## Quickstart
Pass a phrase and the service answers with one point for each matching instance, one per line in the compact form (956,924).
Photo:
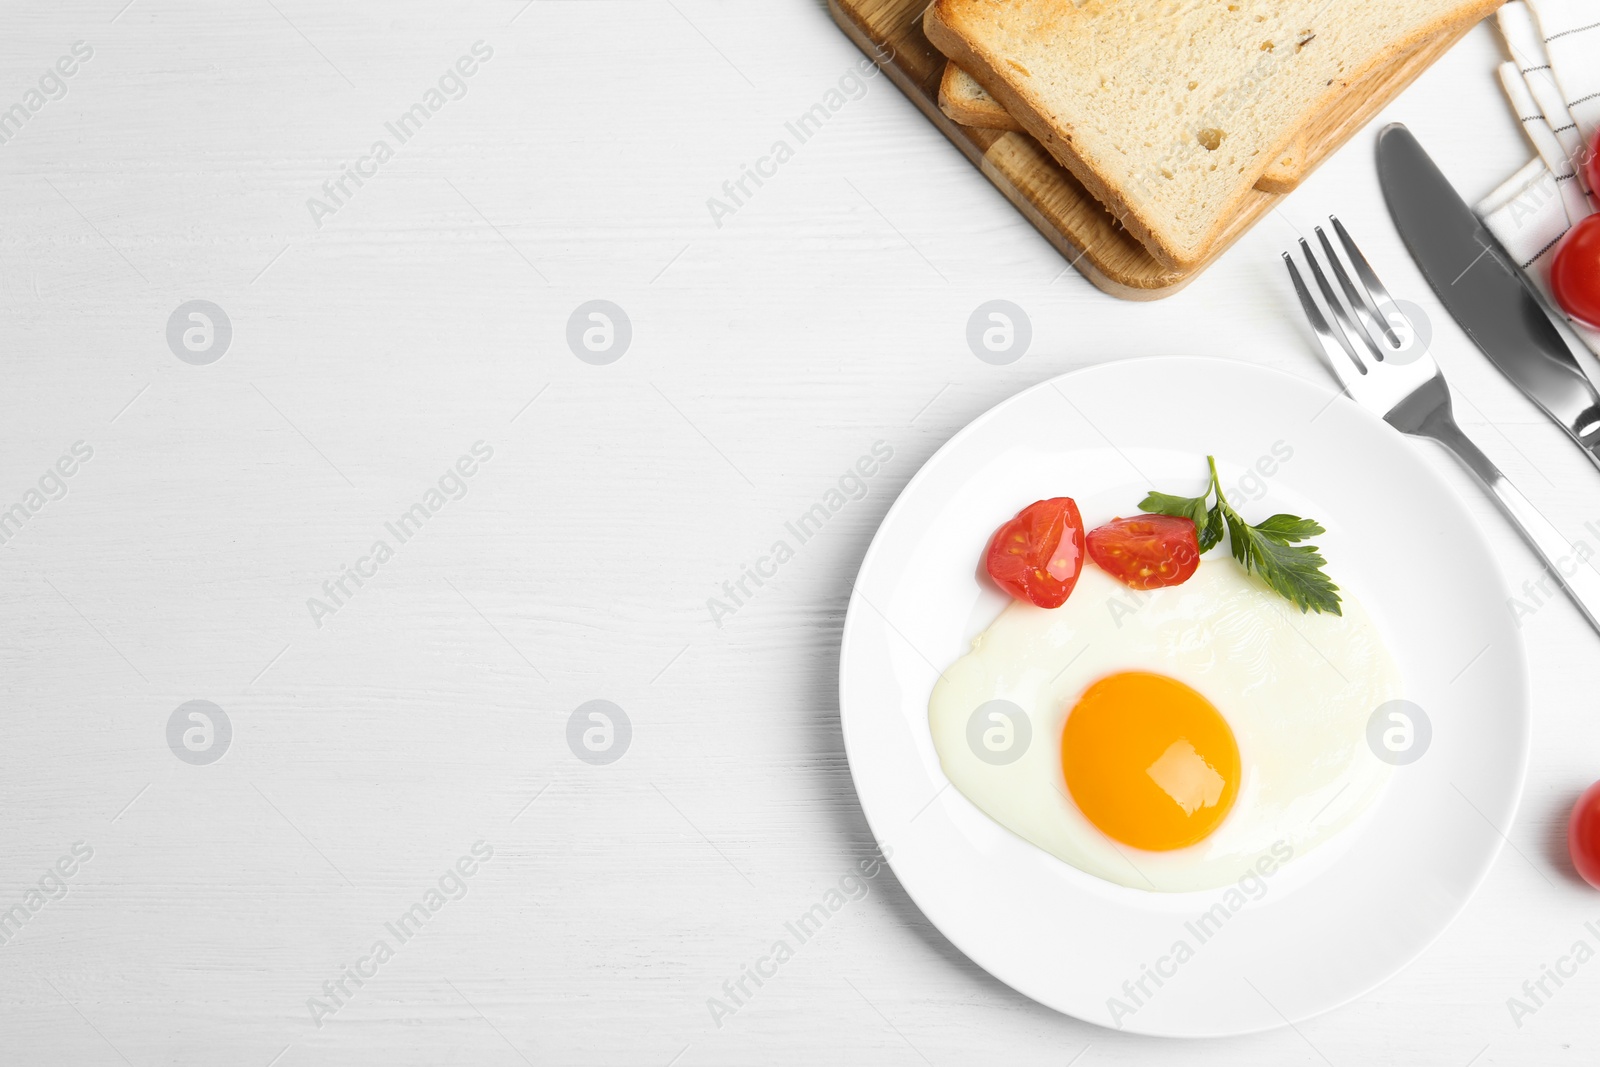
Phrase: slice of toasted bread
(967,102)
(1170,111)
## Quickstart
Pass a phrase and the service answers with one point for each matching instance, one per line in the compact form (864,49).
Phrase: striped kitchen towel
(1553,84)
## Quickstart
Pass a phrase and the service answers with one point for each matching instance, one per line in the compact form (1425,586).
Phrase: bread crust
(962,107)
(943,24)
(1285,172)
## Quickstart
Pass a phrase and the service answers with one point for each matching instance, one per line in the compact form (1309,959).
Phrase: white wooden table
(377,740)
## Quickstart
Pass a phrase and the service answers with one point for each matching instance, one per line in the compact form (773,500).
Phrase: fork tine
(1343,366)
(1354,344)
(1378,294)
(1376,336)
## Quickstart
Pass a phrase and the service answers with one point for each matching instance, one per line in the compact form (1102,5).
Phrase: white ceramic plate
(1328,926)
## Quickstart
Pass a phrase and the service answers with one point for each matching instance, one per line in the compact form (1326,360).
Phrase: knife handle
(1570,567)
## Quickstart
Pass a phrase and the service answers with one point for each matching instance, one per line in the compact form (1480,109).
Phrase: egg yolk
(1149,761)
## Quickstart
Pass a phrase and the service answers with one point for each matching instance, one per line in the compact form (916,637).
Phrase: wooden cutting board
(890,31)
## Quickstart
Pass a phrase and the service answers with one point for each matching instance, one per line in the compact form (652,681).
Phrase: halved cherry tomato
(1575,272)
(1037,555)
(1583,835)
(1147,551)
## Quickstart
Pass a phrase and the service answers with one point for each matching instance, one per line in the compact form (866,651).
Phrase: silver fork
(1408,391)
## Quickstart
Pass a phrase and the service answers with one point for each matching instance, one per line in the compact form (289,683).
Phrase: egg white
(1297,691)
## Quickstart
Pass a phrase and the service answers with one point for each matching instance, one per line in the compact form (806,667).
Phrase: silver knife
(1484,289)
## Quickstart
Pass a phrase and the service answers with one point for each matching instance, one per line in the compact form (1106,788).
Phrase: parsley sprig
(1270,549)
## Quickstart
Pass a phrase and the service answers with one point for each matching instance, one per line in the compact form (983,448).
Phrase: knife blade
(1484,289)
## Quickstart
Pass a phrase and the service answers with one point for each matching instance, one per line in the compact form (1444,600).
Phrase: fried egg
(1167,740)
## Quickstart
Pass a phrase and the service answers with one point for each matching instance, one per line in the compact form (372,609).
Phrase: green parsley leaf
(1293,571)
(1238,537)
(1192,508)
(1286,529)
(1207,522)
(1211,532)
(1271,549)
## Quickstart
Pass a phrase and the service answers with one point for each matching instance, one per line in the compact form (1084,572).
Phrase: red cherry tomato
(1575,272)
(1037,555)
(1146,551)
(1583,835)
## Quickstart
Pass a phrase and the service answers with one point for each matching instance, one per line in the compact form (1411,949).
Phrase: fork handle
(1568,564)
